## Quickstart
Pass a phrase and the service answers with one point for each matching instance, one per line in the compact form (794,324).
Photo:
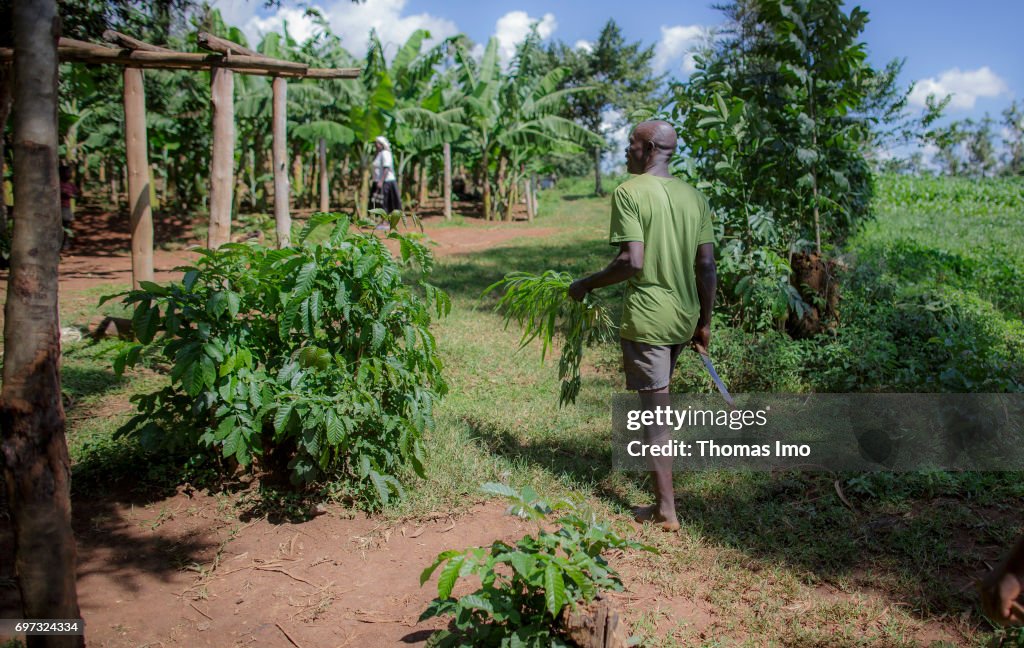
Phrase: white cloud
(584,45)
(300,26)
(965,87)
(674,52)
(353,22)
(512,29)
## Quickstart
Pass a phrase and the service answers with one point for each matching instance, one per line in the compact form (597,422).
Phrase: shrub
(524,587)
(317,356)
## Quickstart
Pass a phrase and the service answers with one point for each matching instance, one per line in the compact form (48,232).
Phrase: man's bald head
(651,145)
(658,132)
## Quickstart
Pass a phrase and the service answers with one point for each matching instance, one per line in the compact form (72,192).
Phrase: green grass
(773,558)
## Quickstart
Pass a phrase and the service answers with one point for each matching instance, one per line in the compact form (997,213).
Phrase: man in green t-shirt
(662,226)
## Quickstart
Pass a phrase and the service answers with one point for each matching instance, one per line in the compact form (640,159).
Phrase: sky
(972,50)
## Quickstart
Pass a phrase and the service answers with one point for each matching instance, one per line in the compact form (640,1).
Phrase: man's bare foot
(651,514)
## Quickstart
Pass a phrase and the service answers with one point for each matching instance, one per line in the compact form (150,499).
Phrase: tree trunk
(222,163)
(485,163)
(598,189)
(528,186)
(422,198)
(138,176)
(503,191)
(282,217)
(325,191)
(447,181)
(533,194)
(297,181)
(5,110)
(363,198)
(37,470)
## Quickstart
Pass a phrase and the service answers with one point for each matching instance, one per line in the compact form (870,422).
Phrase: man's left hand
(577,290)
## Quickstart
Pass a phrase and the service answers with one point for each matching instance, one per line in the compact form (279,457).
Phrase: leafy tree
(618,76)
(778,122)
(1013,140)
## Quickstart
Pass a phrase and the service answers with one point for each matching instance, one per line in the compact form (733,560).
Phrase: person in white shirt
(385,187)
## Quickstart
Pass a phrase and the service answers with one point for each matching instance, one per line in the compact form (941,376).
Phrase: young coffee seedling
(525,586)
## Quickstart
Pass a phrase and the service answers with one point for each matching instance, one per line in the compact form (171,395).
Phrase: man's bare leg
(663,512)
(1001,589)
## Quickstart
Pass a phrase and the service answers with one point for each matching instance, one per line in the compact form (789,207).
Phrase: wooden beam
(333,73)
(145,55)
(222,163)
(206,40)
(138,176)
(127,42)
(282,218)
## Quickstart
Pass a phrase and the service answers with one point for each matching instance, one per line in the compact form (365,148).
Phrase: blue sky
(974,49)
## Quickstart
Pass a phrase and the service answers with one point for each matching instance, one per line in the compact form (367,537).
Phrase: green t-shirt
(672,219)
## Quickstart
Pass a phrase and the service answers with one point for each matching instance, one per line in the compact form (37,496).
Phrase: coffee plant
(317,358)
(525,586)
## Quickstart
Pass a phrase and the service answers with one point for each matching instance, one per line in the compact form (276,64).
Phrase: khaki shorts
(649,366)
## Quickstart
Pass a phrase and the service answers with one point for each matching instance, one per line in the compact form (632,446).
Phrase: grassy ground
(769,558)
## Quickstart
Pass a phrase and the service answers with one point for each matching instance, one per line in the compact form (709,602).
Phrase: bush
(317,357)
(525,587)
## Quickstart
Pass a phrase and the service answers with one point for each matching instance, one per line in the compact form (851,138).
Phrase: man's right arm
(707,285)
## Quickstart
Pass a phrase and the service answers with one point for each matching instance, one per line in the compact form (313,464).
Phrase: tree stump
(597,625)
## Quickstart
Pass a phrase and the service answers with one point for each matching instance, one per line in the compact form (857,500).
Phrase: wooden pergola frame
(226,59)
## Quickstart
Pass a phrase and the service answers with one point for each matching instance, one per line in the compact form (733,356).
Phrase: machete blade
(718,381)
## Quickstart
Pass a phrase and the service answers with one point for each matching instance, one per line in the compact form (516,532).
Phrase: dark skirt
(388,199)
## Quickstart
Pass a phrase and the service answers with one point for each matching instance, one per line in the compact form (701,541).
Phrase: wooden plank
(206,40)
(138,176)
(127,42)
(333,73)
(222,164)
(282,218)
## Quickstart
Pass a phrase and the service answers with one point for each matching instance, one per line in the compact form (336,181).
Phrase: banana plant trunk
(325,191)
(503,192)
(485,163)
(598,189)
(37,470)
(447,181)
(422,199)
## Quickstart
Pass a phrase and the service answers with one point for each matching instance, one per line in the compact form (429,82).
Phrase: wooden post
(447,181)
(325,192)
(222,164)
(37,471)
(280,152)
(139,205)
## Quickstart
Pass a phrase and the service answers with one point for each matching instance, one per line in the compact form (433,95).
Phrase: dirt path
(100,253)
(183,572)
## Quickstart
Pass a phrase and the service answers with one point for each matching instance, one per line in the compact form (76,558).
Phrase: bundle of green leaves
(541,305)
(525,586)
(318,356)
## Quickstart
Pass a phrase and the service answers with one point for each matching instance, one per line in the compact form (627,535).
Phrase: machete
(718,381)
